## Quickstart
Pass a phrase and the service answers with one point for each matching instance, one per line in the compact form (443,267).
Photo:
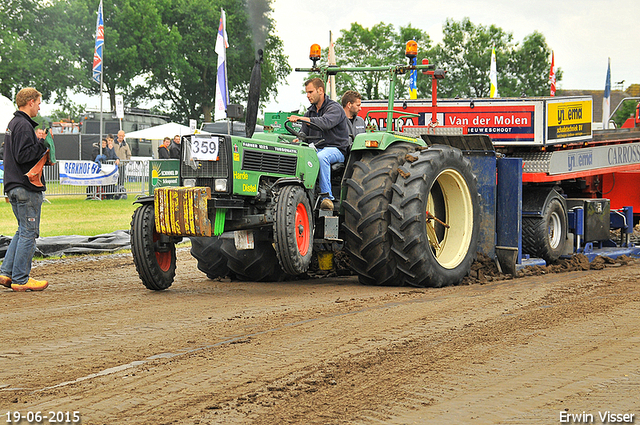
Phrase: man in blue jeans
(23,153)
(330,117)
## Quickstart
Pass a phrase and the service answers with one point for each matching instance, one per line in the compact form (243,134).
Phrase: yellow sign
(569,119)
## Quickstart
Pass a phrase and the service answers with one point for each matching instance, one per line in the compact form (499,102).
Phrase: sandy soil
(320,351)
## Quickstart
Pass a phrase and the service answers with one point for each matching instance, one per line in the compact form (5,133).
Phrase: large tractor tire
(208,252)
(544,237)
(366,213)
(256,265)
(293,230)
(155,263)
(436,182)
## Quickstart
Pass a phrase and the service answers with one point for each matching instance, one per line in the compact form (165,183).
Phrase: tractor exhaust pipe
(254,96)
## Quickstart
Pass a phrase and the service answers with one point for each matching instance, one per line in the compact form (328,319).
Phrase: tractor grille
(269,162)
(209,170)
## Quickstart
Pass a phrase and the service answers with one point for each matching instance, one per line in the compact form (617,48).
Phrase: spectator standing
(174,149)
(331,118)
(40,134)
(352,104)
(110,153)
(163,149)
(121,147)
(23,154)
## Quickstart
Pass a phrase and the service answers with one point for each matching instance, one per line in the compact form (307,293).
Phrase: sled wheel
(155,262)
(545,237)
(209,255)
(257,265)
(368,193)
(293,230)
(435,218)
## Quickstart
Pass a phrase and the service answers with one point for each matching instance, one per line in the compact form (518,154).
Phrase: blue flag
(97,53)
(606,100)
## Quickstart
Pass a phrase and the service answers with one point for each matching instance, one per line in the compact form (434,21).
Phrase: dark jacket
(21,152)
(333,121)
(356,126)
(174,150)
(163,152)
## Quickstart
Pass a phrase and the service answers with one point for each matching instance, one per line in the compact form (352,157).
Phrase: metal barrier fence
(133,180)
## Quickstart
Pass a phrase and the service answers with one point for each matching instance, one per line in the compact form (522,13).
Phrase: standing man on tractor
(352,104)
(328,115)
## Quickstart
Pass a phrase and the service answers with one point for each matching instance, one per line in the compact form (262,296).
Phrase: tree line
(163,52)
(465,54)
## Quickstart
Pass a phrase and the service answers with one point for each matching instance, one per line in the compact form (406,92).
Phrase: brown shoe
(31,285)
(326,205)
(5,281)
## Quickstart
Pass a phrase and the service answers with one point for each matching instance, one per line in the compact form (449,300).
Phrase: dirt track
(321,351)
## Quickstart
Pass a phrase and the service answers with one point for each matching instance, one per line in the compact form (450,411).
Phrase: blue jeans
(328,156)
(26,207)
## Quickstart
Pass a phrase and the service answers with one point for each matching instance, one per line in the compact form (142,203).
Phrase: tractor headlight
(220,185)
(190,182)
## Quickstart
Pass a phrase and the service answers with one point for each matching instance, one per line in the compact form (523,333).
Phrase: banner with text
(87,173)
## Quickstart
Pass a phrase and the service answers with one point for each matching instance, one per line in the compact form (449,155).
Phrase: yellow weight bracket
(182,211)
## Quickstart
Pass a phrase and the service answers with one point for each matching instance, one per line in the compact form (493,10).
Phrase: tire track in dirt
(317,351)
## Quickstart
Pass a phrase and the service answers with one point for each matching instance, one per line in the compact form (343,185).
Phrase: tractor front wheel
(293,230)
(155,261)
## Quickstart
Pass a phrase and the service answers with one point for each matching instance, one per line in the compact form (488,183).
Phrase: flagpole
(100,139)
(226,78)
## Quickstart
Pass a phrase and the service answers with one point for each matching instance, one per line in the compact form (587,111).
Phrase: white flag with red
(552,76)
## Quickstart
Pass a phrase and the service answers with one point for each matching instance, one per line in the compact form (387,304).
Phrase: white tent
(159,132)
(7,108)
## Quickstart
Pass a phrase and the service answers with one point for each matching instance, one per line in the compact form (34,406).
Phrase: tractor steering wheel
(299,134)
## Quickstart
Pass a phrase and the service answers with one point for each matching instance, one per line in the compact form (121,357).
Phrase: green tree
(37,48)
(465,53)
(626,110)
(184,73)
(380,45)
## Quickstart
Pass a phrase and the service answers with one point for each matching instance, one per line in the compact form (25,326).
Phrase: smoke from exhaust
(258,11)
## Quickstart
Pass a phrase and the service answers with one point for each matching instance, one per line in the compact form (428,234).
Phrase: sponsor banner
(501,122)
(594,158)
(163,172)
(568,119)
(87,173)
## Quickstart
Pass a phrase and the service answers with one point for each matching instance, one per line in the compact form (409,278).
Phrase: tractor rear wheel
(435,218)
(293,230)
(366,213)
(154,261)
(256,265)
(208,252)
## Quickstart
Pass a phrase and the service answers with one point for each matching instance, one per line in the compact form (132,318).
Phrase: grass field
(73,215)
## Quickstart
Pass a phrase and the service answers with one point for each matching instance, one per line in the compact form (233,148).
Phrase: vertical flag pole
(222,89)
(606,99)
(98,62)
(333,95)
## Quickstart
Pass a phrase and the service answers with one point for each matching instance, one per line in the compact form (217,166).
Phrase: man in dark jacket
(23,152)
(330,117)
(174,149)
(352,104)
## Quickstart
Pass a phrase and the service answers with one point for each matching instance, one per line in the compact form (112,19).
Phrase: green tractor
(406,209)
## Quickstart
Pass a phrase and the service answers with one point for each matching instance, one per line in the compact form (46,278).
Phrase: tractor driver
(331,118)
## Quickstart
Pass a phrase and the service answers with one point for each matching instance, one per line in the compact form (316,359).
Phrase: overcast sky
(582,33)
